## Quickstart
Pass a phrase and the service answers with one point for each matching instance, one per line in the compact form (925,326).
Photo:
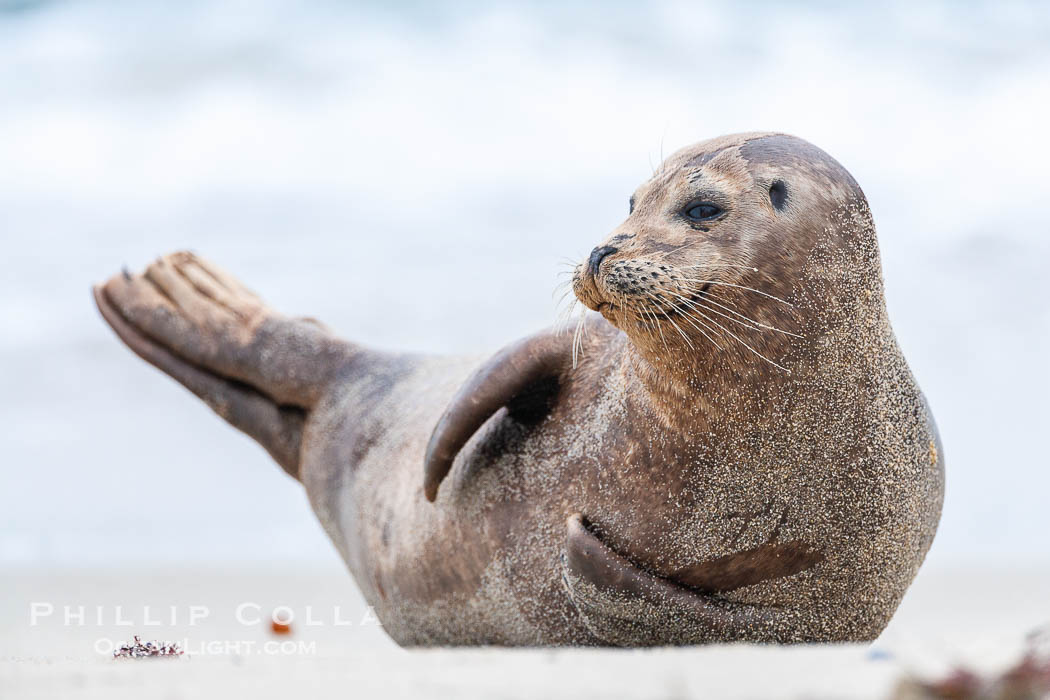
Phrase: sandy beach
(952,616)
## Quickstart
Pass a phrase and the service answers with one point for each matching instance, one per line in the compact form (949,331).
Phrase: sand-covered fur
(735,449)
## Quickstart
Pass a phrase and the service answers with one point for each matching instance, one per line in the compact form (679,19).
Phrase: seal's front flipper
(522,376)
(624,605)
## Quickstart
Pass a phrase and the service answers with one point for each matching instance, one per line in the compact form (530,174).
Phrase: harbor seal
(732,449)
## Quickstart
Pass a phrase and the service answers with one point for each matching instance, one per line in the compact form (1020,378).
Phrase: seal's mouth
(637,289)
(586,288)
(591,292)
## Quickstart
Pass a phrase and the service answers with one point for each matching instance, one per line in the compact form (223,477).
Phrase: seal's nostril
(597,255)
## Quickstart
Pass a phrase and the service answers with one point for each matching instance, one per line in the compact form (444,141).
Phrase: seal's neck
(697,394)
(690,388)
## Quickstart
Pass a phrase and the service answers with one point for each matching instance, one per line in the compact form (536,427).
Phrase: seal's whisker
(653,324)
(577,338)
(563,316)
(660,330)
(739,286)
(624,310)
(685,317)
(671,321)
(561,325)
(574,309)
(680,332)
(737,338)
(694,304)
(656,324)
(564,294)
(652,327)
(706,299)
(719,295)
(706,325)
(650,333)
(562,322)
(718,265)
(663,255)
(703,302)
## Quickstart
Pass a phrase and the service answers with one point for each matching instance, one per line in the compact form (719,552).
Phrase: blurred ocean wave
(377,164)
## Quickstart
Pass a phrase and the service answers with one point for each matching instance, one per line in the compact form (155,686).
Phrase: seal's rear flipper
(522,376)
(255,368)
(277,428)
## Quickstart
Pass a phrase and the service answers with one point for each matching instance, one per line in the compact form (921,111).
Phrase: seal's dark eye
(702,211)
(778,195)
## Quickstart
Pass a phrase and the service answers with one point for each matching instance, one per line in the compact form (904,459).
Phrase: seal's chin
(589,291)
(586,289)
(608,310)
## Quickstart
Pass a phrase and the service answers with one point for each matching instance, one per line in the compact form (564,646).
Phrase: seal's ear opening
(778,195)
(525,377)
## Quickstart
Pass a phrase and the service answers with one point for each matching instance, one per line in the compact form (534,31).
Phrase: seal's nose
(597,255)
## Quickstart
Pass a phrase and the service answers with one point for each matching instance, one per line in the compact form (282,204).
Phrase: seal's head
(714,245)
